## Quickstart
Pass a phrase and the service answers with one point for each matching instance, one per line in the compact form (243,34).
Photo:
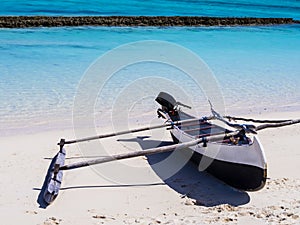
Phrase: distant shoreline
(133,21)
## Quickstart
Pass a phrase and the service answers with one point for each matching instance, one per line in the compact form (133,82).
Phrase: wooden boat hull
(238,161)
(242,176)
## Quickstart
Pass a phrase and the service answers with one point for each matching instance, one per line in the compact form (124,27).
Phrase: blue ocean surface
(252,8)
(257,69)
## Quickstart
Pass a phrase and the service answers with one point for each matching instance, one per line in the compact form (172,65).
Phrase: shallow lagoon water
(257,69)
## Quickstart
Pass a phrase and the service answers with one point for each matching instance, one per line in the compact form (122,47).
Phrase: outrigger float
(234,150)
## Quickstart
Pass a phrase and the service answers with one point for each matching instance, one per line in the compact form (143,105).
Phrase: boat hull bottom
(240,176)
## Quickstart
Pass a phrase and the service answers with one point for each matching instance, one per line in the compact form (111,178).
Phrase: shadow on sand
(188,181)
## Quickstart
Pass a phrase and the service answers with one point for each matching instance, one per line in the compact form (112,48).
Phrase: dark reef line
(160,21)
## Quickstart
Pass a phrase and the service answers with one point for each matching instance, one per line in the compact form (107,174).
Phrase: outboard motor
(169,105)
(167,101)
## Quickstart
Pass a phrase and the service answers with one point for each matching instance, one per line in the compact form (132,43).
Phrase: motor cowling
(167,101)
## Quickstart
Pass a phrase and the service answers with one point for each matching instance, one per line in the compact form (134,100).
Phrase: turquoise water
(257,68)
(255,8)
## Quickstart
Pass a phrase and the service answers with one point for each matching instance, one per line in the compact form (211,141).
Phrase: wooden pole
(176,123)
(254,120)
(212,138)
(147,151)
(194,123)
(274,125)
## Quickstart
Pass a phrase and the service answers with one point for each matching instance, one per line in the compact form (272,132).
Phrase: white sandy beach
(189,197)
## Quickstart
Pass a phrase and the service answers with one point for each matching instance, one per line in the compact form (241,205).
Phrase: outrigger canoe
(238,160)
(231,152)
